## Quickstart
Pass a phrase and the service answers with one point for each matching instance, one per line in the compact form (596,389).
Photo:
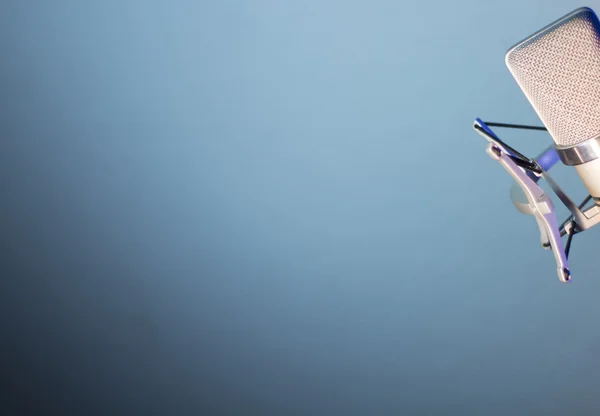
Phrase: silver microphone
(558,69)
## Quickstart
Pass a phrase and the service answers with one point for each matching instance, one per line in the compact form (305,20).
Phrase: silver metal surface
(580,153)
(558,69)
(583,220)
(592,215)
(540,205)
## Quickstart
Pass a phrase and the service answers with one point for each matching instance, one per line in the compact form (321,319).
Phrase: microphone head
(558,69)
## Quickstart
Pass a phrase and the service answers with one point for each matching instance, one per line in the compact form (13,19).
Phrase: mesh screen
(558,69)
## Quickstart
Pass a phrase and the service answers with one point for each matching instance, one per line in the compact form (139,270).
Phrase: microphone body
(558,69)
(590,175)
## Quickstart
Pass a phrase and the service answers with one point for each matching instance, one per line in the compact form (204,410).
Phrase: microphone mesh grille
(558,69)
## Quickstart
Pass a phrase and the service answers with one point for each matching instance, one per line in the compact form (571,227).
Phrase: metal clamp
(538,203)
(583,219)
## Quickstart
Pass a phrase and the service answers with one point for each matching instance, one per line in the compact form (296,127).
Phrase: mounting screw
(565,275)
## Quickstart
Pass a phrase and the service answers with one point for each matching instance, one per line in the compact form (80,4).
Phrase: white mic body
(590,175)
(558,69)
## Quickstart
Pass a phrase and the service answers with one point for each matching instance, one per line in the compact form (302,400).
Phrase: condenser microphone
(558,69)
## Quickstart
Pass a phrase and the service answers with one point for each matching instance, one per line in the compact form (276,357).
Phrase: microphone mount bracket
(529,198)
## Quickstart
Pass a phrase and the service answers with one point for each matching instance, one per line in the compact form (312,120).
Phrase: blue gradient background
(278,208)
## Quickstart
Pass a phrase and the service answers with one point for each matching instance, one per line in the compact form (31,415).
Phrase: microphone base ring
(581,153)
